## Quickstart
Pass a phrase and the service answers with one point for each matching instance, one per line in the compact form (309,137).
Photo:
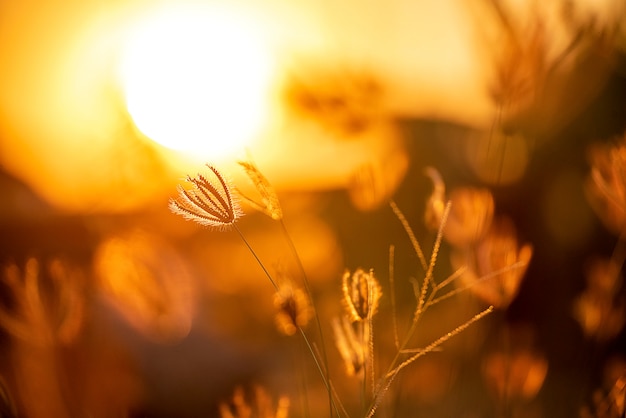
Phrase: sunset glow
(196,79)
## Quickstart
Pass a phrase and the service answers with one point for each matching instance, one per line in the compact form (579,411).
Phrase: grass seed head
(270,205)
(361,294)
(210,201)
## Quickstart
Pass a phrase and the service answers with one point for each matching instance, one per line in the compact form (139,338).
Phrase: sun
(196,79)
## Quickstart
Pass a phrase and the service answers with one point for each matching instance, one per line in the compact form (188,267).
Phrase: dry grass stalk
(212,203)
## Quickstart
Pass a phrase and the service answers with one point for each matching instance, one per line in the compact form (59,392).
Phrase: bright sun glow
(196,79)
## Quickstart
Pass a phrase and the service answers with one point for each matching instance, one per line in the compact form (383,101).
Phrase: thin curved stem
(304,336)
(307,288)
(269,276)
(319,367)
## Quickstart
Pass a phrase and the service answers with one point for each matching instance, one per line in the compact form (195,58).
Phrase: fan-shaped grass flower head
(209,202)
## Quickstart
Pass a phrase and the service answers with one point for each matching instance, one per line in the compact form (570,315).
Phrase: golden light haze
(64,109)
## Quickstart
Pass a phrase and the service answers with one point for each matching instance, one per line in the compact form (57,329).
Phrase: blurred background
(113,306)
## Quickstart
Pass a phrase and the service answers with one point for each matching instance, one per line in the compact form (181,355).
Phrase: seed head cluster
(361,294)
(209,202)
